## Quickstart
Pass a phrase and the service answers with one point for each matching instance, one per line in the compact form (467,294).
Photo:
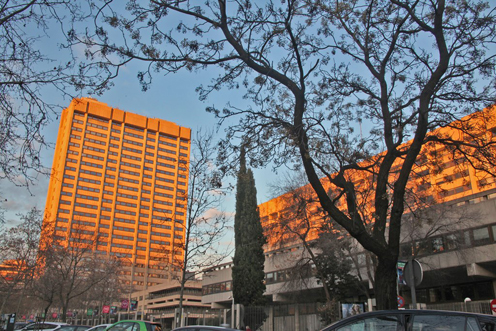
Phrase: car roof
(49,322)
(136,321)
(205,327)
(43,322)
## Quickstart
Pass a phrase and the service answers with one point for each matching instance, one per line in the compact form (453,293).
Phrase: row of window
(217,288)
(456,293)
(128,132)
(452,241)
(472,237)
(160,234)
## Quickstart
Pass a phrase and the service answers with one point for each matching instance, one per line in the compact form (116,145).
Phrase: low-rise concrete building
(161,302)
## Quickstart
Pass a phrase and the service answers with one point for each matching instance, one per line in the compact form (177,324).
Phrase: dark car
(415,320)
(203,328)
(128,325)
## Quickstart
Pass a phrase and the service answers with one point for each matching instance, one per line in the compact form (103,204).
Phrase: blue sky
(171,97)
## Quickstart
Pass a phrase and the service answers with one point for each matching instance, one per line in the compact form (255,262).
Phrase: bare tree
(315,71)
(325,250)
(206,224)
(18,254)
(45,289)
(70,268)
(111,289)
(27,73)
(301,221)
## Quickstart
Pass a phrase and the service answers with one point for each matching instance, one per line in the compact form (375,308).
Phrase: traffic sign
(414,273)
(493,305)
(401,302)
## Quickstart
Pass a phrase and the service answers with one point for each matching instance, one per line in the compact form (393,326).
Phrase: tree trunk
(181,297)
(385,283)
(46,310)
(64,313)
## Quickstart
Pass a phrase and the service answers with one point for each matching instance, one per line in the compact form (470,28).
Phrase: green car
(128,325)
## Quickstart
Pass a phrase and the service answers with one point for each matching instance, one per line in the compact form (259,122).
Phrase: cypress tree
(248,270)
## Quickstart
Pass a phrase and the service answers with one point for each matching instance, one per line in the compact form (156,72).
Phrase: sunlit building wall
(440,175)
(120,179)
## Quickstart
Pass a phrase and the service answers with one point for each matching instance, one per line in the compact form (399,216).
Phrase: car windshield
(378,323)
(100,328)
(67,328)
(443,323)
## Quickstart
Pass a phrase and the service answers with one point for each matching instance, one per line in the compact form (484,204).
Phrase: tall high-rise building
(121,179)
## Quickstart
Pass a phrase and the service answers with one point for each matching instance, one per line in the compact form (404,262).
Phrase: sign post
(11,318)
(413,277)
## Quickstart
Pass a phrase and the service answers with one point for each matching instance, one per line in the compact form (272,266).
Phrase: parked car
(100,327)
(74,328)
(45,326)
(129,325)
(415,320)
(203,328)
(20,325)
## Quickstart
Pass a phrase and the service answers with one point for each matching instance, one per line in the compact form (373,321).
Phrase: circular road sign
(401,302)
(413,270)
(493,305)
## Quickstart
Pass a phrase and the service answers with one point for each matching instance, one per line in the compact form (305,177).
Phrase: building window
(453,241)
(422,247)
(467,241)
(484,291)
(451,293)
(437,244)
(481,236)
(435,295)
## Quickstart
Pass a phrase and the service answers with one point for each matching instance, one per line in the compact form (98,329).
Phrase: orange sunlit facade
(121,180)
(440,175)
(13,271)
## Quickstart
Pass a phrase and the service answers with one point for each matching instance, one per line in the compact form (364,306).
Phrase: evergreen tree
(248,270)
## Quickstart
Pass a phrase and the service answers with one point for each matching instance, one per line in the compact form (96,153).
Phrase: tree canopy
(31,75)
(330,84)
(69,268)
(18,258)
